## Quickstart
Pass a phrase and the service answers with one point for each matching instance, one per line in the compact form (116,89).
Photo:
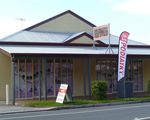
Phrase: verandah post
(13,79)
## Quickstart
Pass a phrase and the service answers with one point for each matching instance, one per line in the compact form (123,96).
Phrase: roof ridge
(80,34)
(74,36)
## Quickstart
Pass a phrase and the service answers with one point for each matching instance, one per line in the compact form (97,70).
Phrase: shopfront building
(36,60)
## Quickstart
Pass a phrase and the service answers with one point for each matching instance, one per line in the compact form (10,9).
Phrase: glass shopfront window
(50,77)
(58,73)
(16,75)
(135,73)
(29,80)
(29,72)
(22,78)
(36,77)
(106,69)
(67,72)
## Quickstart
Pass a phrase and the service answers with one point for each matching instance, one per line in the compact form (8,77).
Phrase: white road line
(80,112)
(145,118)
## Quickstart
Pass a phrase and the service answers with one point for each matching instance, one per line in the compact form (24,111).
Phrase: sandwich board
(64,92)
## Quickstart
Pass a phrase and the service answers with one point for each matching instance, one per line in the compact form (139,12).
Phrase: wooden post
(39,77)
(84,76)
(89,76)
(44,77)
(13,79)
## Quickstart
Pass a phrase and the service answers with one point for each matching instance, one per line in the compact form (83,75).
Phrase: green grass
(52,103)
(48,103)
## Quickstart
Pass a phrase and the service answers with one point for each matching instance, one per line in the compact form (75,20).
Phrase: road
(118,112)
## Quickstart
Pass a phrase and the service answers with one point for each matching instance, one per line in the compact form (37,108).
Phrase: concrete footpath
(18,109)
(9,109)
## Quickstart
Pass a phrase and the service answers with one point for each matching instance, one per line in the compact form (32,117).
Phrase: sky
(123,15)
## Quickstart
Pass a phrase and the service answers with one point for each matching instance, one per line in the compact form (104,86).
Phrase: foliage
(99,89)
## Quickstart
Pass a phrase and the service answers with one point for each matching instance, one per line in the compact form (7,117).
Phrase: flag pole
(122,56)
(109,49)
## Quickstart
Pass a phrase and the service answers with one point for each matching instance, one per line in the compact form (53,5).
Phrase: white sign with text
(61,93)
(101,32)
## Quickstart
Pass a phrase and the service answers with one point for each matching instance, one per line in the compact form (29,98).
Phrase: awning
(29,49)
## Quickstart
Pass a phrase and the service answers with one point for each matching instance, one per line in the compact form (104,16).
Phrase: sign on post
(62,93)
(101,31)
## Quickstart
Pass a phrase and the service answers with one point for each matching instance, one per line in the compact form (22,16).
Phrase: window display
(106,69)
(36,83)
(29,72)
(50,77)
(16,75)
(29,79)
(22,78)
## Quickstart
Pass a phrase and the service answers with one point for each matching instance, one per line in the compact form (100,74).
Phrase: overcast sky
(123,15)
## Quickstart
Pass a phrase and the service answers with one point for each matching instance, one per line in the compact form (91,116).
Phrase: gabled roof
(59,15)
(81,34)
(59,37)
(28,36)
(46,37)
(35,37)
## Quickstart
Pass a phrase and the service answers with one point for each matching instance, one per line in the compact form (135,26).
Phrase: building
(35,61)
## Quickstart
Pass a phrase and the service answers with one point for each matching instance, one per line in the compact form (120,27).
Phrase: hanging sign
(62,93)
(122,53)
(101,31)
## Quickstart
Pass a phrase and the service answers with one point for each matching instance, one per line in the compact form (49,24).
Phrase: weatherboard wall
(81,86)
(83,40)
(146,73)
(5,75)
(65,23)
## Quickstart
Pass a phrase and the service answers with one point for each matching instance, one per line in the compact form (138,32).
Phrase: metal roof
(114,40)
(57,37)
(29,36)
(42,37)
(29,49)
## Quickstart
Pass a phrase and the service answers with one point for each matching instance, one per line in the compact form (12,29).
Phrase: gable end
(59,15)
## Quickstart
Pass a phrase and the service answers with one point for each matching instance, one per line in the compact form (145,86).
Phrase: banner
(101,31)
(122,53)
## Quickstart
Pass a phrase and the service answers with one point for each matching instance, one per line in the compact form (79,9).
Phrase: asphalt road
(119,112)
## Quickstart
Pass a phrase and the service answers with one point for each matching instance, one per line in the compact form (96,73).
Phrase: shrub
(99,89)
(148,86)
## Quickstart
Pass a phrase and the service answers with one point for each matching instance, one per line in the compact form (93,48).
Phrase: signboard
(122,53)
(101,31)
(62,93)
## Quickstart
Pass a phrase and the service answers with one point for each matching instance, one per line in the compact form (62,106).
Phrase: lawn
(52,103)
